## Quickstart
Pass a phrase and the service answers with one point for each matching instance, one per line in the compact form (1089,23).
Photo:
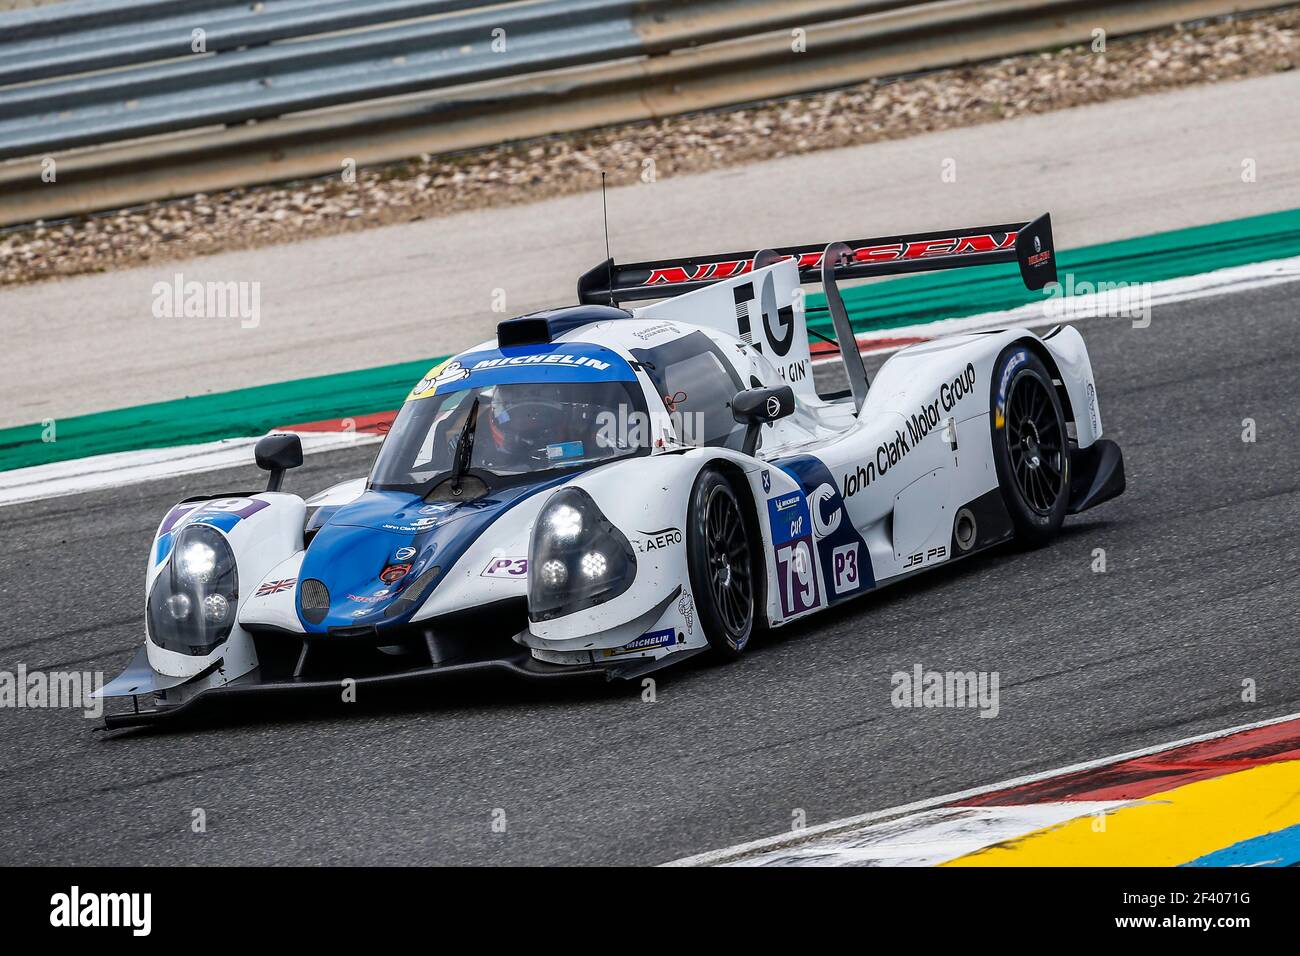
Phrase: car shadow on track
(468,693)
(998,558)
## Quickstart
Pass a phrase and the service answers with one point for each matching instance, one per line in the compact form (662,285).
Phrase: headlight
(192,604)
(565,522)
(577,559)
(554,573)
(196,562)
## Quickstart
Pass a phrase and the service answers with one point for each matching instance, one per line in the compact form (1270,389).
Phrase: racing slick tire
(1031,449)
(720,560)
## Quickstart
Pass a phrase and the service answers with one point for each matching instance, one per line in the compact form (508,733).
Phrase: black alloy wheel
(720,561)
(1031,448)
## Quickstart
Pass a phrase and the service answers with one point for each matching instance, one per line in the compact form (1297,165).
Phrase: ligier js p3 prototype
(600,491)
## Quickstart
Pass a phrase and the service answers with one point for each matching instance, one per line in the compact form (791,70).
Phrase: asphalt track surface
(1201,592)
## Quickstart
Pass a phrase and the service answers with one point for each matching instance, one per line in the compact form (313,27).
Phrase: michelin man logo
(443,375)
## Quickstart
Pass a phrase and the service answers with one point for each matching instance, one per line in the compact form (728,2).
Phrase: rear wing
(1027,243)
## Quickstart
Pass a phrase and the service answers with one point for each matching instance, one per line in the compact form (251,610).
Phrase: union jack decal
(275,587)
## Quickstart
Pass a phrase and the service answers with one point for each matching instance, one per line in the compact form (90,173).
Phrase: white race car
(601,491)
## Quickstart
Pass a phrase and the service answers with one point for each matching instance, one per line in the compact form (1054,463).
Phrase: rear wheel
(1030,447)
(721,570)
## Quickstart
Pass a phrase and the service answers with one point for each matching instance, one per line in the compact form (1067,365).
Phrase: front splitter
(521,665)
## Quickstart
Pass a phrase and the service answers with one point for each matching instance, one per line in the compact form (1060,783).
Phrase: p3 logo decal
(844,568)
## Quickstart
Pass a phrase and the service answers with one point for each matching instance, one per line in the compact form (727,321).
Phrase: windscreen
(512,429)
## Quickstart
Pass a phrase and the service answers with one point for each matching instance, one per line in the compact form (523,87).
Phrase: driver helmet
(526,417)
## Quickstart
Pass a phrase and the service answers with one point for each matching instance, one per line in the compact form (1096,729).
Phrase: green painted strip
(200,418)
(875,306)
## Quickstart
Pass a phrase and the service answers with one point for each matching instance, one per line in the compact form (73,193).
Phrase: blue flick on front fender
(388,530)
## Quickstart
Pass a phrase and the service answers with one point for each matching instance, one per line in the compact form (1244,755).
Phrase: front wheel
(719,558)
(1031,449)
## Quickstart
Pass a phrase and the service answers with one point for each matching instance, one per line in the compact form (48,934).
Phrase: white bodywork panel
(273,603)
(267,527)
(341,494)
(1071,356)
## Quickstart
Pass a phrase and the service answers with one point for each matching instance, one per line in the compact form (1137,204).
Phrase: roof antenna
(609,259)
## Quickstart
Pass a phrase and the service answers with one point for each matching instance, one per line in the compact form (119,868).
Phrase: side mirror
(277,454)
(761,406)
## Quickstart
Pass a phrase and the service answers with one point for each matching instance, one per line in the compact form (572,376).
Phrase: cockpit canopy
(528,411)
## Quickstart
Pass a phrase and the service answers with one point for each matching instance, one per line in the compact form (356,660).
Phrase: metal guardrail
(272,79)
(285,88)
(244,72)
(76,37)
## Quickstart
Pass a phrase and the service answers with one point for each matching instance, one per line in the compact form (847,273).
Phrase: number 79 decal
(796,569)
